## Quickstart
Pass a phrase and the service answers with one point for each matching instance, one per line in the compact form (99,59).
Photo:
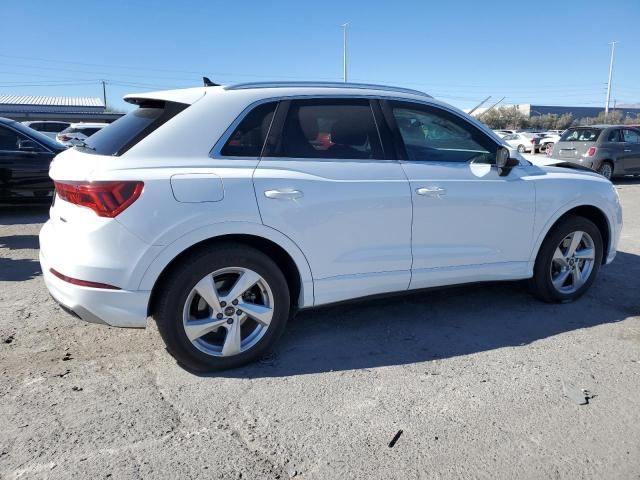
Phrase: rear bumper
(118,308)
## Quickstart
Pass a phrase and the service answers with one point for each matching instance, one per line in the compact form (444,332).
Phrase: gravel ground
(483,381)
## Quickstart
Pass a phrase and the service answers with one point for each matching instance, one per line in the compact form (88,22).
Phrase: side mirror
(504,162)
(27,146)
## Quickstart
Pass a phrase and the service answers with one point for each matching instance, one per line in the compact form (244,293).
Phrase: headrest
(345,132)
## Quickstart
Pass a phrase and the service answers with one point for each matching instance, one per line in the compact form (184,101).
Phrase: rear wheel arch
(270,248)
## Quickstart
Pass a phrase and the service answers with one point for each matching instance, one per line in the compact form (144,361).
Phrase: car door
(24,167)
(469,223)
(631,154)
(323,181)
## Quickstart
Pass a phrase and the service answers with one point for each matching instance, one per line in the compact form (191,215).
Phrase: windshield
(36,135)
(580,135)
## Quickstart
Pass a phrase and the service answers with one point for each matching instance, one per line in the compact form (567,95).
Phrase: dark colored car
(608,149)
(25,155)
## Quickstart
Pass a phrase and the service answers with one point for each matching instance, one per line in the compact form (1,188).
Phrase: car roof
(275,89)
(88,124)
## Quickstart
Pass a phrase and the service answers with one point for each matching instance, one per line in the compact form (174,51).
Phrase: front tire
(568,261)
(222,307)
(521,149)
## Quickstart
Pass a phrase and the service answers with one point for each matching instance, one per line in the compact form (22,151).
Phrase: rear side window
(248,138)
(330,128)
(127,131)
(580,135)
(631,136)
(615,136)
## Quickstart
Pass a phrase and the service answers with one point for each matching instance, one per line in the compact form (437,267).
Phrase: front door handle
(284,194)
(628,150)
(435,192)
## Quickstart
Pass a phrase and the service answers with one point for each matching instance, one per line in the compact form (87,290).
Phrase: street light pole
(344,51)
(606,107)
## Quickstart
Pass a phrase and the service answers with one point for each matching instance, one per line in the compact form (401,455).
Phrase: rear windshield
(580,135)
(127,131)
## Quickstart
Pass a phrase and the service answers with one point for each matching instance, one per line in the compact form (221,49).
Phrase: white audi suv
(220,211)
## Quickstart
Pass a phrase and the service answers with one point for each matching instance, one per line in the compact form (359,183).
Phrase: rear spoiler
(184,95)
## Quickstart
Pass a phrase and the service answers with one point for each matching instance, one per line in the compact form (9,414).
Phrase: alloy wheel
(572,262)
(228,311)
(605,170)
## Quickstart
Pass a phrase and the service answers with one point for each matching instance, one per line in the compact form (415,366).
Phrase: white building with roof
(39,107)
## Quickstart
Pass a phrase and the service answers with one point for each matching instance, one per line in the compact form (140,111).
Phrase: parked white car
(50,128)
(523,141)
(220,211)
(77,133)
(548,140)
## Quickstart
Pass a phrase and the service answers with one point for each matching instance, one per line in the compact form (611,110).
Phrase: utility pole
(479,105)
(606,107)
(104,93)
(344,51)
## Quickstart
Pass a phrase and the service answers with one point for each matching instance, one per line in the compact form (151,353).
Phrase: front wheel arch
(589,212)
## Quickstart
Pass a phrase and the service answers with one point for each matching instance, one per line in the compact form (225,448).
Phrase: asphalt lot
(482,381)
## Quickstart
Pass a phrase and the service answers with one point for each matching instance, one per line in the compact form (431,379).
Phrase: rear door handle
(435,192)
(284,194)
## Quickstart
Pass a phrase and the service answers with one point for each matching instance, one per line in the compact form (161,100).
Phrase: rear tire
(606,170)
(568,261)
(237,330)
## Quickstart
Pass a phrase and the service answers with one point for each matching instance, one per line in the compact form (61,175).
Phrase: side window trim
(387,108)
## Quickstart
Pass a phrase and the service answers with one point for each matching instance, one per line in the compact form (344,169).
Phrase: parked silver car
(608,149)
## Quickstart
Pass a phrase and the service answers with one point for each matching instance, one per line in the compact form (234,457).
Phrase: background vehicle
(609,150)
(523,141)
(220,232)
(25,155)
(48,127)
(547,140)
(77,133)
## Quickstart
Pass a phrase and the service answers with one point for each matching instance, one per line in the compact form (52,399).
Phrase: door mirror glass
(504,162)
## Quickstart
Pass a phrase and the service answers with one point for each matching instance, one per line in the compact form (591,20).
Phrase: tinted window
(580,135)
(340,129)
(9,139)
(248,138)
(35,135)
(631,136)
(614,136)
(52,127)
(431,134)
(124,133)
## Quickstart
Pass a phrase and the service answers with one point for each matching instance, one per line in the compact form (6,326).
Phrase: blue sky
(545,52)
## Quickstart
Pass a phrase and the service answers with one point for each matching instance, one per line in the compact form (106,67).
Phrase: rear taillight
(107,199)
(64,138)
(591,152)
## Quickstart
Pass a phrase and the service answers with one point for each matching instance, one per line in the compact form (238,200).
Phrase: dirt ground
(483,381)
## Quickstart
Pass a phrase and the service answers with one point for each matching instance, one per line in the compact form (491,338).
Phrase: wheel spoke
(259,313)
(576,237)
(245,281)
(233,340)
(197,328)
(558,282)
(577,278)
(586,253)
(559,257)
(206,288)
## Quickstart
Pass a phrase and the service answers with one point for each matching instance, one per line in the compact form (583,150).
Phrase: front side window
(432,134)
(330,128)
(249,136)
(631,136)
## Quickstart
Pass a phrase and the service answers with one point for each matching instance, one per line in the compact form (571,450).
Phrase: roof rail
(386,88)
